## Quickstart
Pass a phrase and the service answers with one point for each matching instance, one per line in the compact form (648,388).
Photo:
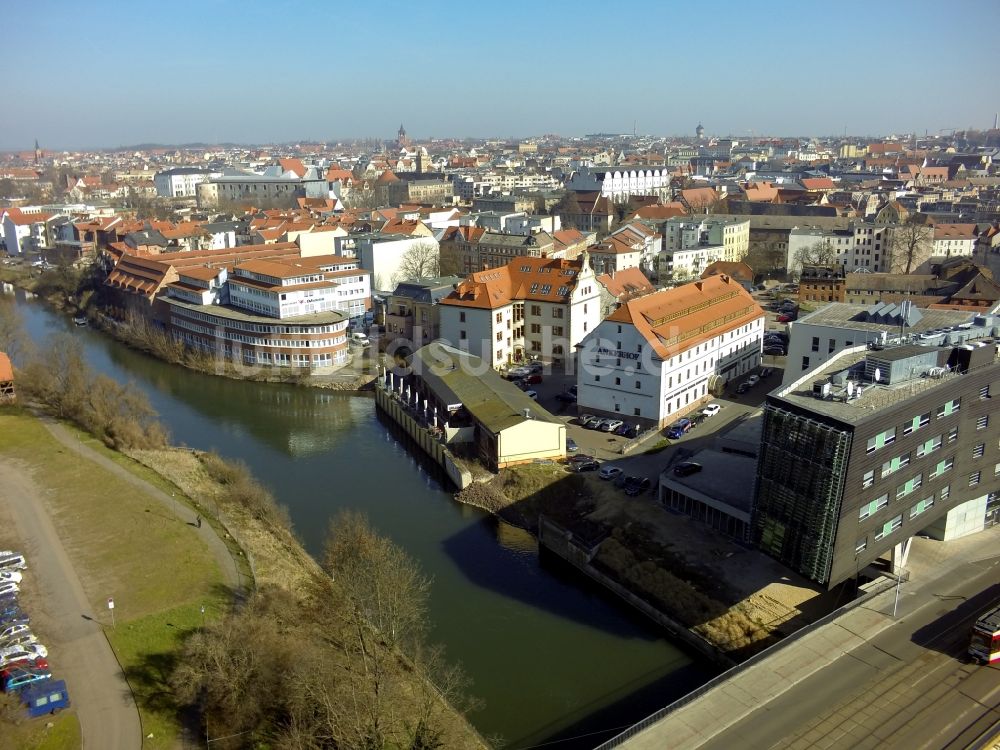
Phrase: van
(12,562)
(361,339)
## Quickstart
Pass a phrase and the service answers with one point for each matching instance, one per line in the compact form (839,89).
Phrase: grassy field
(35,734)
(125,545)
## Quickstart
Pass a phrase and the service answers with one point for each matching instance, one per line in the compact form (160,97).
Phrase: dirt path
(218,548)
(80,653)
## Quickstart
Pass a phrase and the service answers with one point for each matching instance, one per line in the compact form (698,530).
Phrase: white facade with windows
(662,356)
(181,182)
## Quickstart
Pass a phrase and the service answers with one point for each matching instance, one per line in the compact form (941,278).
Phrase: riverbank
(730,600)
(73,292)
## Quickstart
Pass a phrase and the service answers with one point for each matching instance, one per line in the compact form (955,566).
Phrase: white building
(384,256)
(24,230)
(181,182)
(288,289)
(658,356)
(732,234)
(951,240)
(537,307)
(688,263)
(622,182)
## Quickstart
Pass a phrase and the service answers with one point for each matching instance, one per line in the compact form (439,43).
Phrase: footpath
(748,689)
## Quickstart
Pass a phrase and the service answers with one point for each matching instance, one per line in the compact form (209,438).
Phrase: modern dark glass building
(872,447)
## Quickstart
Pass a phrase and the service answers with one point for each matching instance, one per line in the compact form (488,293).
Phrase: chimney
(527,413)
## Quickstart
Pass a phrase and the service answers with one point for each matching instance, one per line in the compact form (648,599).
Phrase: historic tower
(699,131)
(401,138)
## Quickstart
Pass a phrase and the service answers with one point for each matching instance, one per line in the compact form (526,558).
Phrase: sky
(106,73)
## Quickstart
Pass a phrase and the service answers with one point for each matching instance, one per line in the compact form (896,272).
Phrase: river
(554,658)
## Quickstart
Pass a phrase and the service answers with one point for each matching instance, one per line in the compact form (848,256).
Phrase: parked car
(9,588)
(629,430)
(743,387)
(45,697)
(24,639)
(516,373)
(753,380)
(566,397)
(531,394)
(10,575)
(11,630)
(679,428)
(610,425)
(711,410)
(36,663)
(17,653)
(786,318)
(609,472)
(686,468)
(571,446)
(533,379)
(580,458)
(582,466)
(535,368)
(766,372)
(14,679)
(584,419)
(572,389)
(12,561)
(636,485)
(594,423)
(774,351)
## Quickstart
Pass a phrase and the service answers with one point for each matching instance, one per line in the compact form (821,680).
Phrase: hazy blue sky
(104,73)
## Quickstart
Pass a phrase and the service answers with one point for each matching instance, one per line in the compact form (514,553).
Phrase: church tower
(699,131)
(401,138)
(38,153)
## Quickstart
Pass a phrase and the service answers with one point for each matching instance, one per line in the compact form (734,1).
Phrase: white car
(25,639)
(10,576)
(17,653)
(9,587)
(14,630)
(753,380)
(711,410)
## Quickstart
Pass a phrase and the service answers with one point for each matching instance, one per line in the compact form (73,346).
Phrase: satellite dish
(878,374)
(850,388)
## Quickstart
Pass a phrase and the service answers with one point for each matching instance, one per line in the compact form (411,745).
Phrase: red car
(533,379)
(786,318)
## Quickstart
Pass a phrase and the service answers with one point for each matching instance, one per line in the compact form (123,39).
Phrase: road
(906,687)
(60,612)
(98,691)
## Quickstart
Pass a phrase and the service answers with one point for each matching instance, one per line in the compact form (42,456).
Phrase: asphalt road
(907,687)
(78,650)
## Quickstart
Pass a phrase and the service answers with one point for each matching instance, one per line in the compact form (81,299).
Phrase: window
(637,412)
(461,317)
(557,312)
(638,384)
(499,335)
(557,330)
(461,335)
(805,363)
(945,492)
(618,381)
(983,422)
(868,479)
(597,378)
(882,439)
(860,545)
(974,478)
(536,328)
(815,343)
(929,447)
(916,423)
(889,527)
(873,507)
(941,468)
(922,506)
(909,487)
(984,392)
(499,317)
(831,346)
(891,467)
(949,408)
(536,310)
(979,450)
(952,434)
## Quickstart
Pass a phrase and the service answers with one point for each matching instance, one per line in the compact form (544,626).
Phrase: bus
(985,644)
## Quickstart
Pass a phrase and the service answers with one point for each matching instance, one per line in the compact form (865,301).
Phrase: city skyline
(219,72)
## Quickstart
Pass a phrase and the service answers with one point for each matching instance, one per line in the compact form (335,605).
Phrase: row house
(954,239)
(731,233)
(633,245)
(531,307)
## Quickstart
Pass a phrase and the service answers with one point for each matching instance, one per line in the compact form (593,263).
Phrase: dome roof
(386,177)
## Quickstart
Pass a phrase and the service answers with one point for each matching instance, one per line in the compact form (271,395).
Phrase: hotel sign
(619,353)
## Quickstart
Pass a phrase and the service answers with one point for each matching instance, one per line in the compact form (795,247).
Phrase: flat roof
(235,314)
(726,481)
(874,397)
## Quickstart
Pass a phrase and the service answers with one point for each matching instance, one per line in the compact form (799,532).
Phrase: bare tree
(421,261)
(13,340)
(819,253)
(908,245)
(766,258)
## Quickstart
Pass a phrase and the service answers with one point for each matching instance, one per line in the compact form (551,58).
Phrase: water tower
(699,131)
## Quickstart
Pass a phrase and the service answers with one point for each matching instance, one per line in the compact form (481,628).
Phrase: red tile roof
(674,320)
(536,279)
(6,370)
